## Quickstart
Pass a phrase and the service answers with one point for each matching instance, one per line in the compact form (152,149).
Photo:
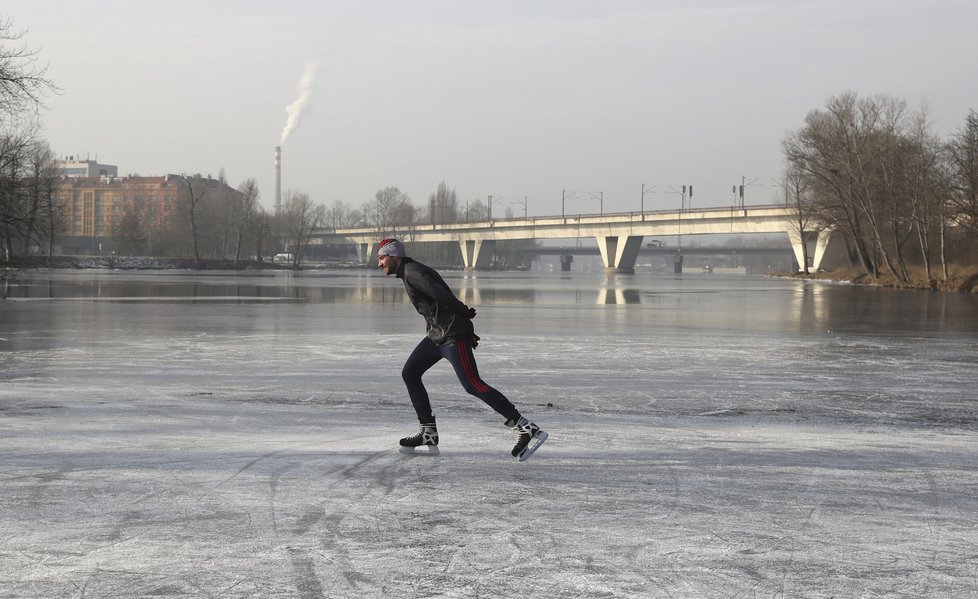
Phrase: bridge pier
(365,250)
(677,263)
(816,244)
(619,252)
(477,253)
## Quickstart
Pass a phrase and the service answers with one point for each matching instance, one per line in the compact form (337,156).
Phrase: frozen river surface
(221,435)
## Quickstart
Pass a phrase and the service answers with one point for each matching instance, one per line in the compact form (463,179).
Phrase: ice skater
(450,336)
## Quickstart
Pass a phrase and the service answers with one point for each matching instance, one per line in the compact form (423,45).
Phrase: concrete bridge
(619,235)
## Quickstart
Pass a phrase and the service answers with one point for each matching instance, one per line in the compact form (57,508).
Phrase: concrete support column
(677,264)
(821,245)
(365,251)
(477,253)
(815,242)
(620,252)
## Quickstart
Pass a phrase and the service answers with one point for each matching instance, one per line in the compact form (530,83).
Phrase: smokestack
(278,180)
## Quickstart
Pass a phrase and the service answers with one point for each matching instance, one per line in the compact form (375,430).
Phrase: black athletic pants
(427,354)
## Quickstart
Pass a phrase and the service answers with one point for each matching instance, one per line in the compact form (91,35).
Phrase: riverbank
(153,263)
(961,279)
(137,263)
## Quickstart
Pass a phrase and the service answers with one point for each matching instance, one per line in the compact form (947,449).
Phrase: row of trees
(25,199)
(874,172)
(392,213)
(213,221)
(27,207)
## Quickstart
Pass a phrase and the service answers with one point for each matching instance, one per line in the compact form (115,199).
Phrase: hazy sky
(509,98)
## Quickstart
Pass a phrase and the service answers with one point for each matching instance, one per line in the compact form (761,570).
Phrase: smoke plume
(294,110)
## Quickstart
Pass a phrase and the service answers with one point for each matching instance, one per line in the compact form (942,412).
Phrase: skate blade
(421,450)
(540,438)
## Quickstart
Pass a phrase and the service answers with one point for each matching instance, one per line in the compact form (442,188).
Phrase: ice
(240,448)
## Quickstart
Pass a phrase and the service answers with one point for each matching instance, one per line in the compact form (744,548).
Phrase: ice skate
(527,432)
(425,442)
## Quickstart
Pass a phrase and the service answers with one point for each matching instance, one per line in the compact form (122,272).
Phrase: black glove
(475,341)
(471,313)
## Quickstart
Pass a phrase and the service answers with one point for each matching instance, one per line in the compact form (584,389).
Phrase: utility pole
(564,196)
(645,191)
(683,206)
(600,198)
(743,185)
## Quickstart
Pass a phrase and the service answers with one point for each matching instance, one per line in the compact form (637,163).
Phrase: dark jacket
(447,318)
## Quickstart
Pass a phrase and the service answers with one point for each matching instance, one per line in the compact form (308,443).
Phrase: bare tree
(443,205)
(962,154)
(217,220)
(245,216)
(867,174)
(132,227)
(43,221)
(342,215)
(826,151)
(14,148)
(390,210)
(22,82)
(915,179)
(301,218)
(262,232)
(443,208)
(197,187)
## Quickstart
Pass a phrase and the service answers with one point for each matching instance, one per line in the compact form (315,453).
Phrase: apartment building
(70,167)
(99,206)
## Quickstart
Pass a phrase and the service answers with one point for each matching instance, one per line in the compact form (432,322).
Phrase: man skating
(450,336)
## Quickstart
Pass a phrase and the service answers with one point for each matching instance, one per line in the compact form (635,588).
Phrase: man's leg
(424,356)
(462,359)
